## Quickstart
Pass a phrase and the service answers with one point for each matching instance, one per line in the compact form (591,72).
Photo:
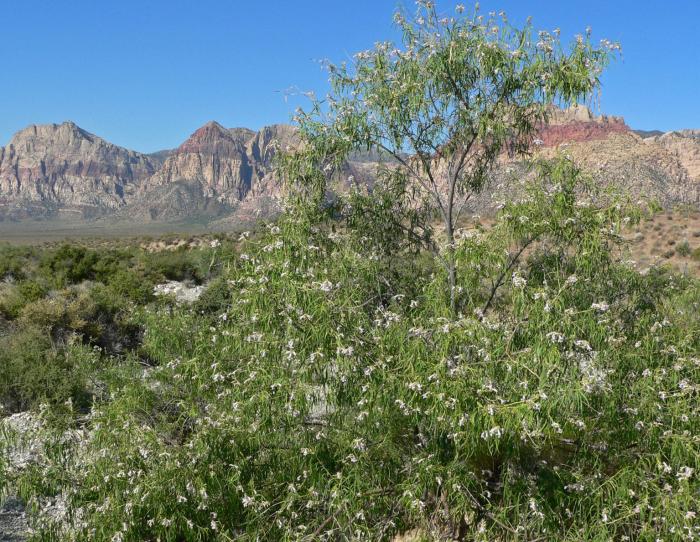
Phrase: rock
(685,145)
(578,124)
(183,292)
(214,172)
(64,166)
(13,521)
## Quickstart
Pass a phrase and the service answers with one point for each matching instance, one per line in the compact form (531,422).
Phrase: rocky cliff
(61,166)
(215,171)
(663,168)
(578,124)
(229,172)
(684,145)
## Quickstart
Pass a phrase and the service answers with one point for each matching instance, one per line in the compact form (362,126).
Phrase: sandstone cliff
(664,169)
(221,172)
(214,172)
(578,123)
(64,167)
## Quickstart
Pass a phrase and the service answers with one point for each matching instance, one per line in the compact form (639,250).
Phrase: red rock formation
(553,136)
(578,124)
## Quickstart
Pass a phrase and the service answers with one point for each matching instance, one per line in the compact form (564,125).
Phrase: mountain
(61,167)
(664,169)
(228,173)
(685,146)
(648,133)
(213,172)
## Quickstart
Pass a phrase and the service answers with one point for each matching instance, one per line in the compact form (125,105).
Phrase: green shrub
(132,285)
(11,301)
(34,371)
(31,290)
(215,299)
(14,262)
(69,264)
(181,264)
(683,249)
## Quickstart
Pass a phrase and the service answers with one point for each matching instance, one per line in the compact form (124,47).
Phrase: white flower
(347,351)
(326,286)
(494,432)
(518,281)
(555,337)
(571,279)
(583,345)
(600,307)
(685,473)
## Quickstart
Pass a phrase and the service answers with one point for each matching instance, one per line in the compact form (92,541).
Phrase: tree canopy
(456,93)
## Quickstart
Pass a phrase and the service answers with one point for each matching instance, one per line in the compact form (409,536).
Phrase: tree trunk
(451,267)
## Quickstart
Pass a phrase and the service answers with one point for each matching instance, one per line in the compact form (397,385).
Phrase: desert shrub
(180,264)
(69,264)
(197,264)
(11,301)
(91,312)
(31,290)
(34,371)
(64,313)
(14,297)
(15,262)
(683,249)
(215,299)
(131,284)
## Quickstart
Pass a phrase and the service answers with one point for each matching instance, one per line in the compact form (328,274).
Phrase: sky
(145,74)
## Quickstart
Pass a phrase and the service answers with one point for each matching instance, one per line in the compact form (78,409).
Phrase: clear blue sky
(146,73)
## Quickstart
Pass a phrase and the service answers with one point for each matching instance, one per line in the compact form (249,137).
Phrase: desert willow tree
(442,106)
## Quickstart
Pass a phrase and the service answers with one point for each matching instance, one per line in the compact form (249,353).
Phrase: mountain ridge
(61,169)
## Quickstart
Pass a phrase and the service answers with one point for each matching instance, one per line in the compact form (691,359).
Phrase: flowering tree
(309,395)
(442,106)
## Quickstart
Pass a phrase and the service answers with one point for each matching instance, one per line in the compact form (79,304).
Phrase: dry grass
(669,238)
